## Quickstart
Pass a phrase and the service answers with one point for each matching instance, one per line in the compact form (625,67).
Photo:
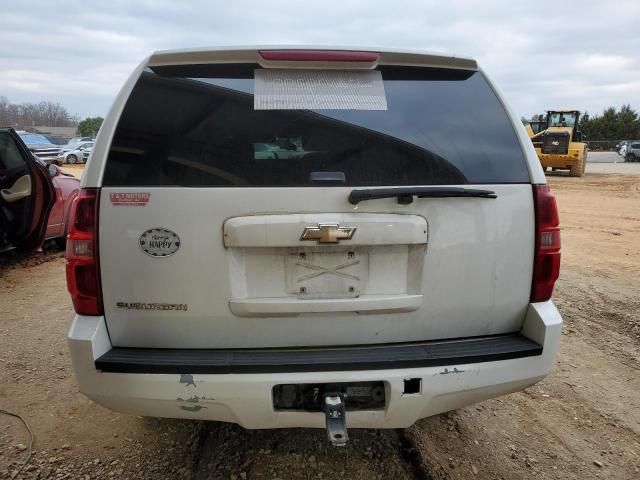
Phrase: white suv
(632,151)
(392,258)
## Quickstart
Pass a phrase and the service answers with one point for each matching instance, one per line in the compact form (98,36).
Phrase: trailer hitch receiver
(335,415)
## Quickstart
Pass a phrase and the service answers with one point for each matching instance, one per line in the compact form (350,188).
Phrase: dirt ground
(583,421)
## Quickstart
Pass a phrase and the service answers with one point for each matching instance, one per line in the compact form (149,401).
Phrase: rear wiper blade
(405,194)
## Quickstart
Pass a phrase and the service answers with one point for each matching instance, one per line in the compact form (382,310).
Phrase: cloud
(541,55)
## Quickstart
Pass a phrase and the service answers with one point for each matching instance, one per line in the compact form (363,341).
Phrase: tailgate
(242,276)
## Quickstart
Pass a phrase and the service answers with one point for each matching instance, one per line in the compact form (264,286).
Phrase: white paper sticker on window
(277,89)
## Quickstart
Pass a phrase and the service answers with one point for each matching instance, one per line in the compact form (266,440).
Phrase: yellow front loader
(558,141)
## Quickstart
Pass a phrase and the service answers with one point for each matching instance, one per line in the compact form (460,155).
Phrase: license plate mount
(321,274)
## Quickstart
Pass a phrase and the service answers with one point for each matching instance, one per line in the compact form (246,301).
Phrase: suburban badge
(328,233)
(159,242)
(153,306)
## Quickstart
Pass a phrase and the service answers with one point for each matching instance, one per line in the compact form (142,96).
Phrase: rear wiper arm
(405,194)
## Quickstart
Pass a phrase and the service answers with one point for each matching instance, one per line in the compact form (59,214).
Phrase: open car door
(26,195)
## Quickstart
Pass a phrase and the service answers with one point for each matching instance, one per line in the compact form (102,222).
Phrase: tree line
(89,126)
(612,124)
(51,114)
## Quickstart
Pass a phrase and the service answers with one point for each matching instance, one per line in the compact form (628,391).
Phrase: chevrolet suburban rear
(303,237)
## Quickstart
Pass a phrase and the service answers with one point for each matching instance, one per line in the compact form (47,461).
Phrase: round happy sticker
(159,242)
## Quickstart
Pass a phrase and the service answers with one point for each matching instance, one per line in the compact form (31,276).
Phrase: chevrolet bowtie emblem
(328,233)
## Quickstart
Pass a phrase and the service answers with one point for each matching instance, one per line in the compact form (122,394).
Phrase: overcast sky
(541,54)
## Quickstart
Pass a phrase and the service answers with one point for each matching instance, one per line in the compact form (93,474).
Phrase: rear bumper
(319,359)
(246,398)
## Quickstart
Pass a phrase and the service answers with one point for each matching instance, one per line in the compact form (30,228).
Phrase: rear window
(197,126)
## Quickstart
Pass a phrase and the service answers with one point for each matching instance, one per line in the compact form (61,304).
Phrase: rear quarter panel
(66,190)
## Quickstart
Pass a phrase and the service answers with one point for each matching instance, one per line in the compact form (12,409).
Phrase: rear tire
(578,169)
(630,157)
(72,159)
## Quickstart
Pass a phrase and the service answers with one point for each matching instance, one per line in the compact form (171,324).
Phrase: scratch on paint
(187,379)
(192,408)
(446,371)
(193,400)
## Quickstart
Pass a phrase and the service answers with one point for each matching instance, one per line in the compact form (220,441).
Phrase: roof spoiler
(311,57)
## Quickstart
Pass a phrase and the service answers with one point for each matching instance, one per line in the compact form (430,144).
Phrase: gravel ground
(583,421)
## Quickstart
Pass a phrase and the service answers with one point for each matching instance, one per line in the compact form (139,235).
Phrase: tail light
(546,263)
(83,268)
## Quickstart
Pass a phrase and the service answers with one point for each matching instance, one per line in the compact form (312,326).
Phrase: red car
(34,198)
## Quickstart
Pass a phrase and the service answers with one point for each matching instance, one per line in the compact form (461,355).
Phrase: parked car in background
(75,141)
(74,154)
(621,148)
(405,268)
(56,140)
(35,199)
(27,194)
(41,147)
(86,152)
(632,151)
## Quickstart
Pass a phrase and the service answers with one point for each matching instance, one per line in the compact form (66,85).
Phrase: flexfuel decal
(130,199)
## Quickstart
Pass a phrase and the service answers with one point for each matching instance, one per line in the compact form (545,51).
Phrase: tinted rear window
(197,126)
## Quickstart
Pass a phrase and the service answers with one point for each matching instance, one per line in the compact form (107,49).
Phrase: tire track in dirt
(229,451)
